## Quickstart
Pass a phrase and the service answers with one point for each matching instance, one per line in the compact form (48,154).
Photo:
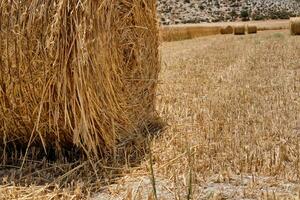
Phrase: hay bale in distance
(251,29)
(199,31)
(77,74)
(239,30)
(226,30)
(176,33)
(295,26)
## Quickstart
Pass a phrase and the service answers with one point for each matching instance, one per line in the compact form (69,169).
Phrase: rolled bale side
(295,26)
(77,74)
(251,29)
(199,31)
(174,34)
(239,30)
(226,30)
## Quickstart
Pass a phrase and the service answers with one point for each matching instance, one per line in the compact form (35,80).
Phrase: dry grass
(237,111)
(233,132)
(76,74)
(233,116)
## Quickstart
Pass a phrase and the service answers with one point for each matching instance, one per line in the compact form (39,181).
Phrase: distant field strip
(190,31)
(187,32)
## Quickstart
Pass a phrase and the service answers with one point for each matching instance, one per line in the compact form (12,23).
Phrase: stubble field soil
(233,108)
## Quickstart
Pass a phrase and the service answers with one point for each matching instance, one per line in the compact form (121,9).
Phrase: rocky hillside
(196,11)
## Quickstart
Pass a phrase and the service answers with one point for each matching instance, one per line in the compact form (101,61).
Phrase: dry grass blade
(190,174)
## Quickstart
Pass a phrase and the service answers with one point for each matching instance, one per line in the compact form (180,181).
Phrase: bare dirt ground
(232,104)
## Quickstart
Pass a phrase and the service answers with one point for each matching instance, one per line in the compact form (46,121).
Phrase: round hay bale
(295,26)
(239,30)
(77,75)
(251,29)
(226,30)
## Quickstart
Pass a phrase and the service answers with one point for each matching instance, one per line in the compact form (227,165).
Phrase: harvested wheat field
(233,111)
(234,121)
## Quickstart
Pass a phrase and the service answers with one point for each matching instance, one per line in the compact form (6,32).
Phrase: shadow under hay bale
(239,30)
(226,30)
(295,26)
(45,171)
(251,29)
(75,76)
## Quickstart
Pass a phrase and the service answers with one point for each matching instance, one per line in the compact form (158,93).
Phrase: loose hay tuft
(251,29)
(295,26)
(239,30)
(226,30)
(77,73)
